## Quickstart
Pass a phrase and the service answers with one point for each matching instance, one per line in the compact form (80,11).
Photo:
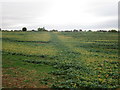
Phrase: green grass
(14,67)
(23,36)
(61,59)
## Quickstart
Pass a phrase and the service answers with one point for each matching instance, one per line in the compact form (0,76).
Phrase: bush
(24,29)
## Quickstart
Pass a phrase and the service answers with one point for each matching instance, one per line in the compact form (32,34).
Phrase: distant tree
(4,30)
(33,30)
(89,30)
(46,30)
(80,30)
(41,29)
(0,29)
(112,31)
(15,30)
(24,29)
(101,31)
(68,30)
(75,30)
(54,30)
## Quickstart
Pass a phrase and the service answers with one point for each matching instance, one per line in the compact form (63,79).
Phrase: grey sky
(59,14)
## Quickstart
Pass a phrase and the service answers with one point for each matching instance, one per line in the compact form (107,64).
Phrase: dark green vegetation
(60,59)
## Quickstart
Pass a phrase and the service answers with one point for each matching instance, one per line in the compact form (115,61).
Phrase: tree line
(24,29)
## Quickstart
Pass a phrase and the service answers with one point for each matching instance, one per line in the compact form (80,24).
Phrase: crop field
(60,60)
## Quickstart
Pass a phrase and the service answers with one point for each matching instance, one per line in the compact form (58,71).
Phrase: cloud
(59,14)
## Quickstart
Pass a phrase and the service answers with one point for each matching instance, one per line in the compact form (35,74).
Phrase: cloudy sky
(59,14)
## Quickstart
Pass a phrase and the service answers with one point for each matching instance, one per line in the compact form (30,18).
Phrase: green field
(60,60)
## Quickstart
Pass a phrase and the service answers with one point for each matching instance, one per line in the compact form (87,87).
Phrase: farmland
(60,60)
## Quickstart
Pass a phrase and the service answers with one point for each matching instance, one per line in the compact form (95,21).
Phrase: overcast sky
(59,14)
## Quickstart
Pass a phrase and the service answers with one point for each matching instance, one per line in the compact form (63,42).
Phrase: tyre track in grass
(63,51)
(68,67)
(67,56)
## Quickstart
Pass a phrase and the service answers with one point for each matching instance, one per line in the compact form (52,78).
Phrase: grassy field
(60,60)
